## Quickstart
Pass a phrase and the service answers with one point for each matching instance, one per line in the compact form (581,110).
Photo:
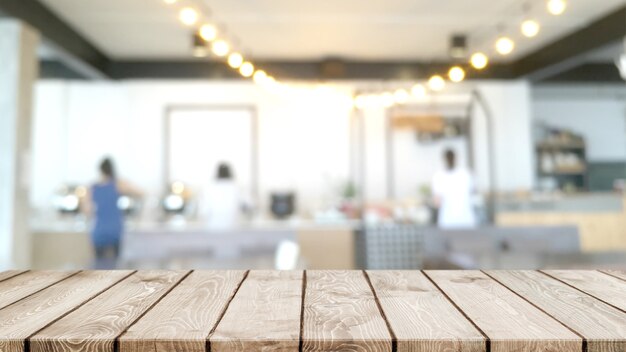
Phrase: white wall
(303,136)
(304,139)
(596,112)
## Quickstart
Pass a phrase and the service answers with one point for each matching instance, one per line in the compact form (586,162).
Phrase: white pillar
(18,72)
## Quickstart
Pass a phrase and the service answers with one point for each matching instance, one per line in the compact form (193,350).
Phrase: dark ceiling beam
(310,70)
(569,52)
(588,73)
(74,49)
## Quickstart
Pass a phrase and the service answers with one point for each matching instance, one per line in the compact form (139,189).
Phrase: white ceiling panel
(309,30)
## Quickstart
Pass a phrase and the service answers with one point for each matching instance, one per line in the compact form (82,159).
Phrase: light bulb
(505,46)
(456,74)
(401,96)
(235,60)
(436,83)
(556,7)
(418,91)
(208,32)
(188,16)
(220,48)
(359,102)
(259,77)
(387,99)
(246,69)
(479,61)
(530,28)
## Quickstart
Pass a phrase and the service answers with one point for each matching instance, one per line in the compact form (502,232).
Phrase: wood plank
(182,321)
(414,308)
(95,325)
(510,322)
(341,314)
(24,318)
(18,287)
(620,274)
(604,287)
(264,315)
(4,275)
(603,326)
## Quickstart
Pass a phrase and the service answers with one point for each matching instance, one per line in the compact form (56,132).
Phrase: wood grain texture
(414,308)
(24,318)
(341,314)
(96,324)
(510,322)
(604,287)
(182,321)
(18,287)
(263,316)
(620,274)
(603,326)
(4,275)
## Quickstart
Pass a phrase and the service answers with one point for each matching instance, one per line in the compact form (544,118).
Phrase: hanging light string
(208,34)
(191,16)
(478,60)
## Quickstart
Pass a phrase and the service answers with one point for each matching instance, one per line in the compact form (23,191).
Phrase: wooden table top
(419,311)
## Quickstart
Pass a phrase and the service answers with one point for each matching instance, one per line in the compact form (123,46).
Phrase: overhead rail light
(188,16)
(505,45)
(479,61)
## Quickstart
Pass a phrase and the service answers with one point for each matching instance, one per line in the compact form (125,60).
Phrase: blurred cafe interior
(403,134)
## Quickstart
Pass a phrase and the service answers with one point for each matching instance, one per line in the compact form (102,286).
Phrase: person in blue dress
(108,219)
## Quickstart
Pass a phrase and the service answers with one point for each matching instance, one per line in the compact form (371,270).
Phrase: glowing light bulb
(208,32)
(505,46)
(479,61)
(530,28)
(387,99)
(188,16)
(401,96)
(359,102)
(418,91)
(259,77)
(456,74)
(235,60)
(556,7)
(246,69)
(220,48)
(436,83)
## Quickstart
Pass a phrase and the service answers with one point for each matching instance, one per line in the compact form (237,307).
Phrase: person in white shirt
(452,190)
(222,200)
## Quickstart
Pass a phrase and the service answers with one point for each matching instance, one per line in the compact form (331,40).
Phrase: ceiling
(375,30)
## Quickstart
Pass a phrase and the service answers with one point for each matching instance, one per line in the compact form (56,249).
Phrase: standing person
(452,191)
(108,219)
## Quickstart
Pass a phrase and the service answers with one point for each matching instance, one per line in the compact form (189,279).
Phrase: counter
(599,217)
(323,245)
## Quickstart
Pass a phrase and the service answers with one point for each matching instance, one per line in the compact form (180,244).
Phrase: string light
(259,77)
(556,7)
(235,60)
(436,83)
(456,74)
(401,96)
(418,91)
(479,61)
(220,48)
(505,45)
(188,16)
(530,28)
(208,32)
(246,69)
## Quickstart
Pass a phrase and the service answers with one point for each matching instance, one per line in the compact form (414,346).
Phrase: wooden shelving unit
(568,174)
